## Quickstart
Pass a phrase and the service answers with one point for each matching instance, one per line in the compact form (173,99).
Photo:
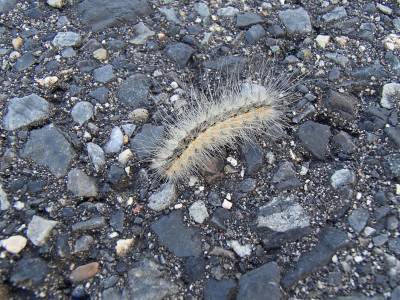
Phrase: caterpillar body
(235,111)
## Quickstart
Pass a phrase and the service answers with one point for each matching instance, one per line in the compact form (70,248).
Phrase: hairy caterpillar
(236,110)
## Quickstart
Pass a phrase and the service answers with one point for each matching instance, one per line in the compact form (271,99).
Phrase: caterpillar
(236,110)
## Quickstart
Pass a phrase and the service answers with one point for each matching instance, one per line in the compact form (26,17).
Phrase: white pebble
(227,204)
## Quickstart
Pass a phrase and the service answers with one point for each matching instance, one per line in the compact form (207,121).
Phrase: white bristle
(235,111)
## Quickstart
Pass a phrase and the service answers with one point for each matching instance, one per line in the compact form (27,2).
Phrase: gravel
(87,90)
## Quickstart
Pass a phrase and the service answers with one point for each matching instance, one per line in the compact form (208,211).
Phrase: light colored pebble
(14,244)
(123,246)
(227,204)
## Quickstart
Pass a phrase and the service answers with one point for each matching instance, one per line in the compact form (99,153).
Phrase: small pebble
(14,244)
(85,272)
(227,204)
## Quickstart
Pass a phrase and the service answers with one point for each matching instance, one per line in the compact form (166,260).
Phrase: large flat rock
(100,14)
(48,147)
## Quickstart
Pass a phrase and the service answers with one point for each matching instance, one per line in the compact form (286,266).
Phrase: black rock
(117,220)
(134,91)
(86,65)
(62,247)
(391,164)
(117,177)
(394,134)
(261,283)
(358,219)
(29,271)
(194,269)
(24,62)
(180,53)
(247,185)
(146,139)
(394,245)
(254,34)
(247,19)
(147,281)
(296,20)
(100,14)
(220,218)
(91,224)
(376,70)
(282,220)
(48,146)
(343,143)
(100,94)
(220,289)
(253,156)
(79,293)
(226,63)
(315,138)
(186,243)
(330,241)
(341,103)
(285,177)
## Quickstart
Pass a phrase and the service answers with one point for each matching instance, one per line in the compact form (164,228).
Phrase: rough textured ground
(313,215)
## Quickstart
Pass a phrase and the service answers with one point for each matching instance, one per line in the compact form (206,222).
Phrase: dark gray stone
(376,70)
(261,283)
(315,138)
(341,103)
(146,281)
(29,272)
(337,58)
(186,243)
(226,63)
(282,220)
(100,94)
(337,13)
(146,139)
(96,155)
(100,14)
(248,185)
(285,177)
(394,245)
(26,111)
(81,185)
(254,34)
(117,220)
(83,243)
(330,241)
(358,219)
(82,112)
(134,91)
(180,53)
(24,62)
(396,293)
(394,134)
(117,177)
(194,269)
(220,289)
(344,142)
(247,19)
(296,20)
(91,224)
(48,147)
(104,74)
(391,164)
(253,156)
